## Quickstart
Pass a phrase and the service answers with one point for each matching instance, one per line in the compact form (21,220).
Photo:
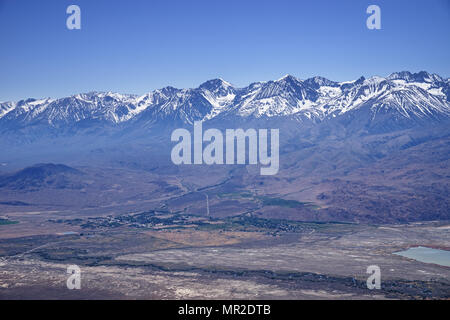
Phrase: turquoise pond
(427,255)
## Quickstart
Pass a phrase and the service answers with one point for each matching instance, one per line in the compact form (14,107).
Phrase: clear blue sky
(138,46)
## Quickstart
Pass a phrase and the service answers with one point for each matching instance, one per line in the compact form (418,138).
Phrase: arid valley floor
(138,235)
(156,255)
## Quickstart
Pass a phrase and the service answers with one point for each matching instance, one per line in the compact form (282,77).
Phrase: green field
(268,201)
(6,221)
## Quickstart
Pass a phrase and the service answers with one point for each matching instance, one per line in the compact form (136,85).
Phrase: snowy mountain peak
(320,82)
(217,85)
(405,94)
(287,77)
(421,76)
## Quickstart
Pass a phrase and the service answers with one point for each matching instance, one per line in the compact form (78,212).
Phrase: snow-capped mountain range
(404,95)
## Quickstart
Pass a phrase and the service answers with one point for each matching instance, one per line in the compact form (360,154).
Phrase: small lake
(427,255)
